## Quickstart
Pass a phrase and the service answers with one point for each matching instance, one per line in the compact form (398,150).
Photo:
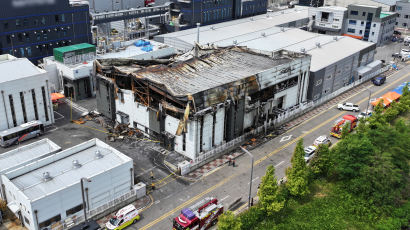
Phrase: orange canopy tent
(56,96)
(387,99)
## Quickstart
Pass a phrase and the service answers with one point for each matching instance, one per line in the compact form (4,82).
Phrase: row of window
(354,22)
(351,30)
(41,35)
(26,22)
(43,49)
(404,15)
(212,15)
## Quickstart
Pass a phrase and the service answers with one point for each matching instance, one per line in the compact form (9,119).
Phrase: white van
(123,218)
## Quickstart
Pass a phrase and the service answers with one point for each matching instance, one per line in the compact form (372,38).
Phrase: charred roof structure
(197,102)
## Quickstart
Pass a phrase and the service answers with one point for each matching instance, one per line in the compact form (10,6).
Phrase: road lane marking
(285,138)
(224,198)
(224,181)
(279,163)
(254,180)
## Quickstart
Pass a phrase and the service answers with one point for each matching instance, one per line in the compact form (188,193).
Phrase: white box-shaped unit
(48,191)
(25,93)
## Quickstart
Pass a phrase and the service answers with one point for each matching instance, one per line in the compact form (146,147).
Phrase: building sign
(30,3)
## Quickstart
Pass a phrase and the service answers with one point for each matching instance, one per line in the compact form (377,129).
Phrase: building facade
(32,29)
(199,104)
(312,3)
(327,20)
(403,15)
(25,93)
(185,14)
(369,23)
(47,191)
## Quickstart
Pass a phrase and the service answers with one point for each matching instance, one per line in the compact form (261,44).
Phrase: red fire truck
(336,130)
(200,216)
(149,3)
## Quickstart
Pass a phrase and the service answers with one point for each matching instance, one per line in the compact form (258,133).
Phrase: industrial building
(403,15)
(32,29)
(369,23)
(327,20)
(194,103)
(185,14)
(25,155)
(25,93)
(72,66)
(336,60)
(46,191)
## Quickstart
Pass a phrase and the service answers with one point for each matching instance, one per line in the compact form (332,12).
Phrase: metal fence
(76,219)
(287,115)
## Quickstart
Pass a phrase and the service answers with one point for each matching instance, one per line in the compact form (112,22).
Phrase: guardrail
(282,118)
(128,14)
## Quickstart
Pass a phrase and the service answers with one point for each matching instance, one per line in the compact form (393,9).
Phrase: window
(404,24)
(398,15)
(326,91)
(13,113)
(372,33)
(43,20)
(56,17)
(329,77)
(354,12)
(374,25)
(336,19)
(35,22)
(361,32)
(23,106)
(29,51)
(50,221)
(364,14)
(22,52)
(362,23)
(20,37)
(62,17)
(8,39)
(43,90)
(398,7)
(350,30)
(26,220)
(25,22)
(74,210)
(18,22)
(319,82)
(33,96)
(6,25)
(27,36)
(406,16)
(38,36)
(352,22)
(45,35)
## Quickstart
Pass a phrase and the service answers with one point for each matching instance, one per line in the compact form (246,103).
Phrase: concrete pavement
(230,183)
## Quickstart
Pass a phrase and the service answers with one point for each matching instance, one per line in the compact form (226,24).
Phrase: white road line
(157,202)
(279,163)
(224,198)
(285,138)
(254,179)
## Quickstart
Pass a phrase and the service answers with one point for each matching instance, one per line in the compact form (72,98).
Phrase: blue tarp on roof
(399,89)
(147,48)
(141,42)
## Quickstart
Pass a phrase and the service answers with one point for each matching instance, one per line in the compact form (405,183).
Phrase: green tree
(322,162)
(345,130)
(228,221)
(298,174)
(270,196)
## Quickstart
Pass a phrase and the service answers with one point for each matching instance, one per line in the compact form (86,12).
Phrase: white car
(365,114)
(348,107)
(309,153)
(322,140)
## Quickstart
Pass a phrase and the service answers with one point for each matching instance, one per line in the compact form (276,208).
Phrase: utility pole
(250,182)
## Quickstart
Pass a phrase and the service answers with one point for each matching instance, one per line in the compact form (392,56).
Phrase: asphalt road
(229,183)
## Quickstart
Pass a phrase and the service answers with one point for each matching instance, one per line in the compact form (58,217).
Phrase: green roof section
(78,49)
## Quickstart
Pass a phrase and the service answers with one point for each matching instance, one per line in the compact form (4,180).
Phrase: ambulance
(123,218)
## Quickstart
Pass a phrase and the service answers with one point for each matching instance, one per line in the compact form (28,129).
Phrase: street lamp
(250,182)
(82,194)
(368,103)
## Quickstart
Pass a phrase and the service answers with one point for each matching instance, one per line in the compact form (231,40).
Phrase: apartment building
(403,15)
(327,20)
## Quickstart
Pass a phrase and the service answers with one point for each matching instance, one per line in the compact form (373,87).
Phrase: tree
(228,221)
(298,175)
(270,196)
(322,161)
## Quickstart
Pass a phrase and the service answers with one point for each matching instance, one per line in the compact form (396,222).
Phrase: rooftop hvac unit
(46,176)
(318,44)
(98,154)
(235,42)
(263,34)
(282,29)
(302,50)
(76,164)
(335,38)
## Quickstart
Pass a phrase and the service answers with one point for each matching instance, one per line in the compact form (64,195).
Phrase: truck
(336,130)
(348,106)
(200,216)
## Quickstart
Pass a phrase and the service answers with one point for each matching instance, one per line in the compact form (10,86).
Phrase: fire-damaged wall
(197,103)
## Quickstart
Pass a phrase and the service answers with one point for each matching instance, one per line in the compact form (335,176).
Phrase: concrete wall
(26,86)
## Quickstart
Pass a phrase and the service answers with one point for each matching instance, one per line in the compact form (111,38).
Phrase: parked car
(309,153)
(379,80)
(322,140)
(396,55)
(365,114)
(348,107)
(407,39)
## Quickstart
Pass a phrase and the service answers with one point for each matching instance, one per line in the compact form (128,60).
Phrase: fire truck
(200,216)
(336,130)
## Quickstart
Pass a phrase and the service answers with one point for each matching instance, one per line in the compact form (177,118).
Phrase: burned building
(196,103)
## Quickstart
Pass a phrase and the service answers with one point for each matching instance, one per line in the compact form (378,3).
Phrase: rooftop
(198,74)
(71,48)
(62,171)
(385,14)
(26,154)
(17,68)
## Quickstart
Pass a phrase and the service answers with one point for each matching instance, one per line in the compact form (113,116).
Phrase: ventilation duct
(302,50)
(318,44)
(76,164)
(235,42)
(263,34)
(98,154)
(46,176)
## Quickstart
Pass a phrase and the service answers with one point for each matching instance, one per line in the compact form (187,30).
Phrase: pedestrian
(229,161)
(233,163)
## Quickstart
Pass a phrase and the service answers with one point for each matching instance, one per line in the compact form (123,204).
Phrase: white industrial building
(25,93)
(47,191)
(197,104)
(327,20)
(24,155)
(335,59)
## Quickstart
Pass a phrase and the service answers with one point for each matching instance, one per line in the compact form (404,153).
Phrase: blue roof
(399,89)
